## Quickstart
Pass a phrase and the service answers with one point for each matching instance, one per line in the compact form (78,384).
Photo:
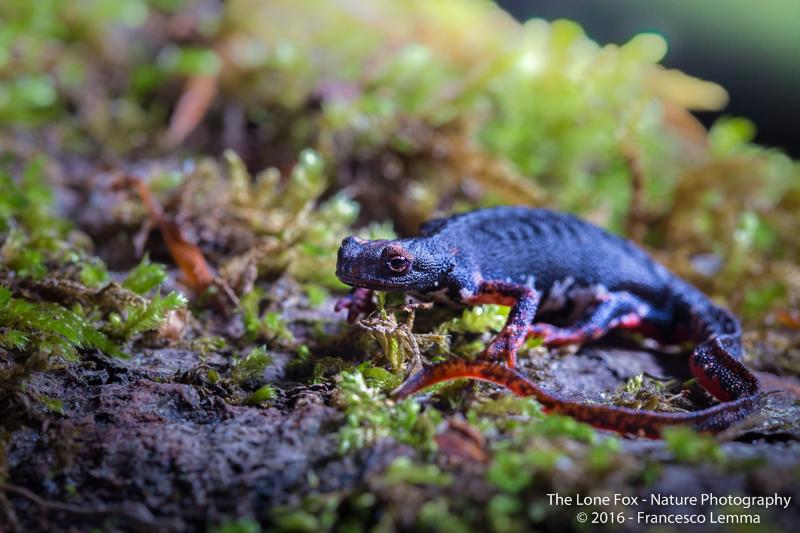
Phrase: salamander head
(399,265)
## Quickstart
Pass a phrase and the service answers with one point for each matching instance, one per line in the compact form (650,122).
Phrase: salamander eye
(398,264)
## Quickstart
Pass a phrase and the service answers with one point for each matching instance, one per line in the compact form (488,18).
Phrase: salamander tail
(620,419)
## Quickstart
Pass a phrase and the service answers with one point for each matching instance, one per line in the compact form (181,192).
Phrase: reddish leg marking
(523,301)
(611,313)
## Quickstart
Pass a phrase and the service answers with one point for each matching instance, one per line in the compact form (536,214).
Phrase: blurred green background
(750,48)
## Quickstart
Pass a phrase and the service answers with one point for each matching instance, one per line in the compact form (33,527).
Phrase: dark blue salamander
(553,268)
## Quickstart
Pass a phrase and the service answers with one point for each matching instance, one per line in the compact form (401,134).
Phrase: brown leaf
(187,255)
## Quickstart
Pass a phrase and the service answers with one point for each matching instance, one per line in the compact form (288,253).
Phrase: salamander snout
(347,259)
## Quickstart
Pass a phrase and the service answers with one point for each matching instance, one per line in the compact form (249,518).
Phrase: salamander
(568,282)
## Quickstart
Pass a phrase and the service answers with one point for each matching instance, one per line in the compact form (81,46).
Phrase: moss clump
(369,417)
(396,340)
(48,329)
(56,301)
(688,446)
(264,393)
(32,239)
(267,326)
(644,392)
(250,366)
(145,277)
(404,471)
(479,319)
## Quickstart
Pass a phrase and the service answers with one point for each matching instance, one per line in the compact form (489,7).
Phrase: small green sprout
(252,366)
(93,273)
(213,376)
(147,317)
(52,404)
(270,325)
(264,393)
(380,377)
(145,277)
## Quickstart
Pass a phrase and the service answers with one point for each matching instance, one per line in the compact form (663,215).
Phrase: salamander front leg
(523,301)
(615,310)
(358,302)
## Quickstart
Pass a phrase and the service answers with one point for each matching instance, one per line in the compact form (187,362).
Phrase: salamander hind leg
(614,311)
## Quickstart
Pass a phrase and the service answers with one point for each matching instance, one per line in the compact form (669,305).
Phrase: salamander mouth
(371,284)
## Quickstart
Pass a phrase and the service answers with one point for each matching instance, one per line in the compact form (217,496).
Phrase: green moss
(513,471)
(48,328)
(315,260)
(437,515)
(93,273)
(405,471)
(52,404)
(644,392)
(187,61)
(603,454)
(530,450)
(316,295)
(688,446)
(478,319)
(241,525)
(264,393)
(379,377)
(564,426)
(269,325)
(369,417)
(32,236)
(395,340)
(77,310)
(145,277)
(296,521)
(251,366)
(147,316)
(502,512)
(506,406)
